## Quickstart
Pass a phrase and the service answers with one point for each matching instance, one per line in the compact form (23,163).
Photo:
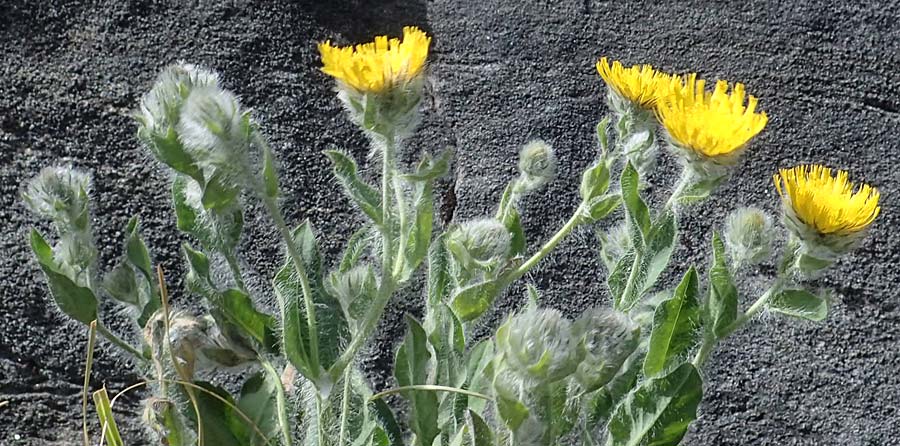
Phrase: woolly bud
(61,195)
(215,131)
(537,164)
(160,108)
(479,243)
(748,236)
(540,346)
(610,337)
(614,244)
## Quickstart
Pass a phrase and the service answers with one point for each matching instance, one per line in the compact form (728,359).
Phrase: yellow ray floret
(828,203)
(640,84)
(377,66)
(710,124)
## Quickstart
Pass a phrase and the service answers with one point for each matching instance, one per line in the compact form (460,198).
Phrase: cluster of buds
(610,337)
(537,166)
(749,236)
(479,244)
(62,196)
(540,345)
(199,129)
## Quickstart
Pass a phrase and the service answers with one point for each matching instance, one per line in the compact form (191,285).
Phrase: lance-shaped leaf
(800,304)
(167,148)
(438,280)
(217,416)
(411,368)
(509,216)
(356,245)
(430,169)
(418,235)
(638,215)
(600,207)
(594,181)
(332,327)
(75,301)
(675,324)
(387,421)
(480,433)
(472,301)
(366,197)
(659,411)
(658,252)
(618,277)
(218,192)
(269,174)
(722,303)
(132,281)
(258,402)
(700,190)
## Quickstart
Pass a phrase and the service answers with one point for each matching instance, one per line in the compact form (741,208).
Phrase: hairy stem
(235,269)
(280,401)
(632,276)
(111,337)
(299,266)
(401,237)
(345,407)
(576,219)
(386,287)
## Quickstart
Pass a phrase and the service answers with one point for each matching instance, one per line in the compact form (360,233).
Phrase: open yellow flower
(640,84)
(827,202)
(377,66)
(715,126)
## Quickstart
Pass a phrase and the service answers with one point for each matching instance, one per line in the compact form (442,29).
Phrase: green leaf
(438,273)
(722,303)
(675,326)
(512,411)
(107,422)
(601,403)
(217,417)
(366,197)
(658,252)
(388,422)
(594,181)
(431,169)
(481,433)
(332,327)
(513,223)
(217,194)
(269,174)
(419,234)
(121,284)
(800,304)
(136,251)
(169,150)
(411,368)
(659,411)
(603,136)
(599,207)
(472,301)
(700,190)
(75,301)
(258,402)
(637,211)
(215,229)
(356,245)
(618,278)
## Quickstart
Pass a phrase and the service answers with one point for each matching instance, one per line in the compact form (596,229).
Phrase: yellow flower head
(377,66)
(712,125)
(640,84)
(827,203)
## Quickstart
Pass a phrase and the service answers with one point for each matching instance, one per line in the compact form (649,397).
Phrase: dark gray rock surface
(504,71)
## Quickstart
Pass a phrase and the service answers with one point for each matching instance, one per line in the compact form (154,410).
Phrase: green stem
(280,400)
(111,337)
(386,288)
(686,176)
(320,431)
(576,219)
(401,210)
(345,407)
(299,266)
(632,278)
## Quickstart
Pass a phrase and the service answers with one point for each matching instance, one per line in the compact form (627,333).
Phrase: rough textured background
(504,71)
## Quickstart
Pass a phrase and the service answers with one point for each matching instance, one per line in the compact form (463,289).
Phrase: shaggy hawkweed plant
(625,372)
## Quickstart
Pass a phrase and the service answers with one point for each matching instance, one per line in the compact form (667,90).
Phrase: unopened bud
(610,337)
(537,164)
(748,236)
(160,108)
(479,243)
(540,346)
(215,131)
(351,289)
(61,195)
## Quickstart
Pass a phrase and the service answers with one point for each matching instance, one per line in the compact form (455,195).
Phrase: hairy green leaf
(258,402)
(675,326)
(659,411)
(472,301)
(366,197)
(722,303)
(800,304)
(269,174)
(638,215)
(411,368)
(660,244)
(75,301)
(481,433)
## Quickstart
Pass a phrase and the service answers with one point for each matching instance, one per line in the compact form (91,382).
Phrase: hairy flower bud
(479,243)
(610,337)
(537,165)
(353,289)
(540,346)
(160,108)
(61,195)
(748,236)
(216,132)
